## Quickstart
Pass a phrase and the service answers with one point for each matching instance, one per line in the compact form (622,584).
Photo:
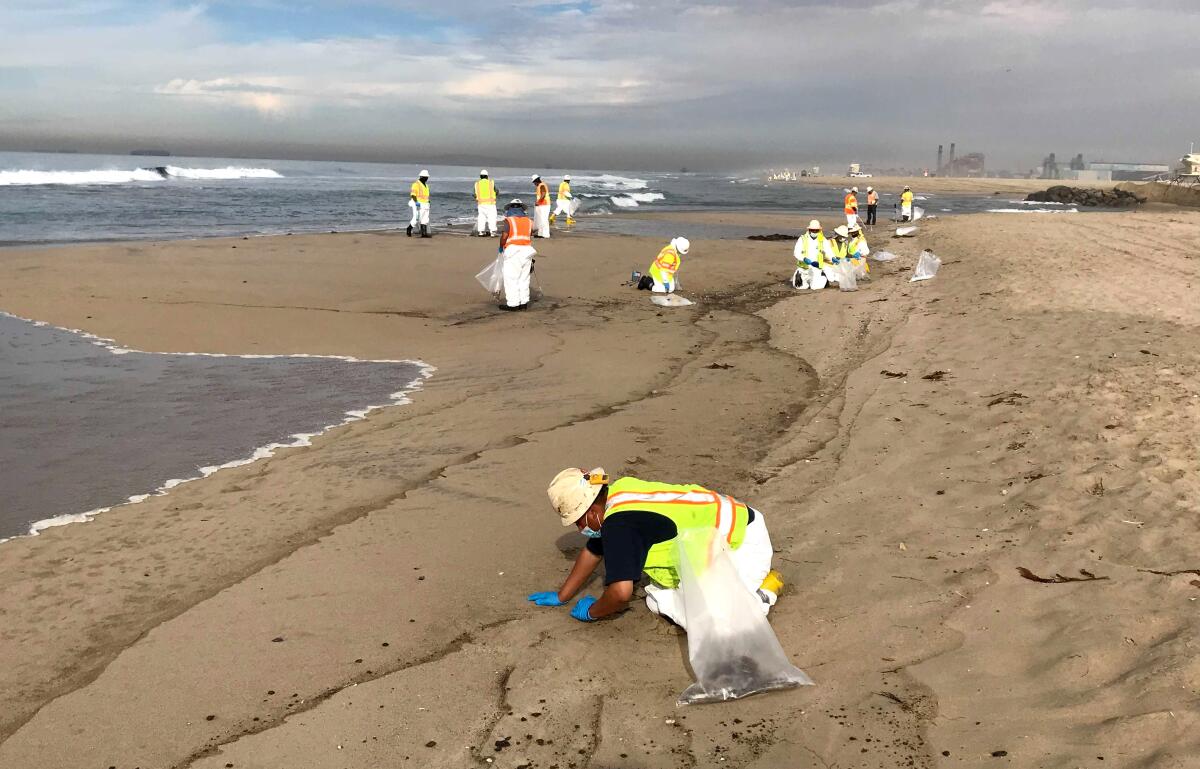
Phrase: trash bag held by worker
(927,267)
(732,648)
(492,277)
(847,279)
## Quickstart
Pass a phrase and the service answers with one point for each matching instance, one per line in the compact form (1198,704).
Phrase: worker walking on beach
(813,255)
(563,201)
(485,202)
(516,244)
(541,208)
(872,204)
(660,278)
(857,251)
(418,201)
(906,204)
(632,526)
(851,207)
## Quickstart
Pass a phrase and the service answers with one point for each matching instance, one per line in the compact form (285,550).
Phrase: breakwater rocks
(1083,196)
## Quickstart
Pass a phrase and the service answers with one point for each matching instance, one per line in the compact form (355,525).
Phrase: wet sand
(946,185)
(361,602)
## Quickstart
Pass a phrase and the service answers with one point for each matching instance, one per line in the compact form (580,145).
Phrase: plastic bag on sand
(670,300)
(904,232)
(884,256)
(927,267)
(732,648)
(918,212)
(491,277)
(847,280)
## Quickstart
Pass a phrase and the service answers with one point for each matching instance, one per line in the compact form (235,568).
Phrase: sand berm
(361,602)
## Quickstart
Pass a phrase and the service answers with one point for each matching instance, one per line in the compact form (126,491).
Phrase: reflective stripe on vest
(688,507)
(666,264)
(564,190)
(520,231)
(808,242)
(543,194)
(839,249)
(420,191)
(851,203)
(485,191)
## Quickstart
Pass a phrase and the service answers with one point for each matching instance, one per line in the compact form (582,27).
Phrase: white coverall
(811,276)
(420,213)
(562,205)
(518,260)
(752,561)
(541,221)
(486,222)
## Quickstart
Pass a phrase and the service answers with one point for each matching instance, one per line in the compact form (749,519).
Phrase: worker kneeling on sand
(660,278)
(813,255)
(516,243)
(857,251)
(632,525)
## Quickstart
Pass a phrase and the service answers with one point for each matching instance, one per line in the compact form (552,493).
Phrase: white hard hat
(814,225)
(854,189)
(535,177)
(681,244)
(907,187)
(516,202)
(842,231)
(423,173)
(870,189)
(567,178)
(483,172)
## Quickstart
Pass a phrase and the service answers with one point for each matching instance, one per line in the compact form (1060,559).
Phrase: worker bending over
(632,526)
(418,201)
(660,278)
(541,208)
(485,202)
(813,256)
(872,204)
(857,251)
(562,203)
(851,207)
(516,243)
(906,204)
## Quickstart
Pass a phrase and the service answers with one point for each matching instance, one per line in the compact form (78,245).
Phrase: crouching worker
(814,254)
(632,526)
(857,252)
(660,278)
(516,243)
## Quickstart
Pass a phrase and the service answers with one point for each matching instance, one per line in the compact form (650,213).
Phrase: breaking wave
(108,176)
(611,182)
(633,199)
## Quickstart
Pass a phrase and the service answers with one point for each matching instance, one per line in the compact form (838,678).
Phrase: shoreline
(367,582)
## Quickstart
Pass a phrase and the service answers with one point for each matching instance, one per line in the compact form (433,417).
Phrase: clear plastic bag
(884,256)
(732,648)
(905,232)
(492,276)
(927,267)
(918,212)
(847,276)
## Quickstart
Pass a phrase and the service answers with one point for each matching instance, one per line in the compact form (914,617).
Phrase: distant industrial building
(968,165)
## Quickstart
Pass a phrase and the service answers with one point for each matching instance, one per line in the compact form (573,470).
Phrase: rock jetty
(1084,196)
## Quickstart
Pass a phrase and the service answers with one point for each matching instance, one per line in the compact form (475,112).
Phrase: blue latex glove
(548,598)
(580,612)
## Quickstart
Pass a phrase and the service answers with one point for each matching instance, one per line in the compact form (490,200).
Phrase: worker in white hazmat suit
(564,203)
(418,201)
(906,204)
(857,251)
(813,254)
(633,525)
(485,202)
(541,208)
(516,243)
(660,278)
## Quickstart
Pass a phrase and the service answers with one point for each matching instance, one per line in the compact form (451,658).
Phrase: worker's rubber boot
(409,231)
(425,231)
(552,218)
(772,586)
(570,220)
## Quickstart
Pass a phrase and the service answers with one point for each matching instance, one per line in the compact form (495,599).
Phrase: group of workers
(850,206)
(485,202)
(822,260)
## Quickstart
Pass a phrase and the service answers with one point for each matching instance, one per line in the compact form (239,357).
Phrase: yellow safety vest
(420,191)
(666,264)
(839,249)
(820,241)
(485,192)
(852,249)
(688,506)
(906,198)
(564,190)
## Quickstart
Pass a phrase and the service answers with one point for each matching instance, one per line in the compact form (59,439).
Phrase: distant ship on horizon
(151,153)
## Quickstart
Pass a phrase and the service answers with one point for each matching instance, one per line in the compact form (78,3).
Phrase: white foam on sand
(296,440)
(1033,210)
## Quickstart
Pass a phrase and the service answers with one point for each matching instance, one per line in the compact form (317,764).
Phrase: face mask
(590,533)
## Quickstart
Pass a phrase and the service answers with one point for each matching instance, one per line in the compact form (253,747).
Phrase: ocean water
(85,425)
(67,198)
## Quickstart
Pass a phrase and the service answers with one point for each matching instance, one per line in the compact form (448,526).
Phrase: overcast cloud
(609,83)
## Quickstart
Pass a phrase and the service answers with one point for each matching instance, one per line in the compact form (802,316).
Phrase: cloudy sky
(606,83)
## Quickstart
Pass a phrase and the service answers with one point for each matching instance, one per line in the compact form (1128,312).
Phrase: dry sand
(360,603)
(940,184)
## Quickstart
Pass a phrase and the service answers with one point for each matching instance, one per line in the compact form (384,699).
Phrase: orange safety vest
(485,192)
(543,194)
(851,204)
(872,198)
(519,231)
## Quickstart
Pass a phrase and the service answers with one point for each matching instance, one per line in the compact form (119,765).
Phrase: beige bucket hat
(814,225)
(842,231)
(573,491)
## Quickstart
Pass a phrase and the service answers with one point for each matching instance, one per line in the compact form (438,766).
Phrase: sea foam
(17,178)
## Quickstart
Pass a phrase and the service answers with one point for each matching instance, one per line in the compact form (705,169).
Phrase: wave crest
(25,177)
(632,200)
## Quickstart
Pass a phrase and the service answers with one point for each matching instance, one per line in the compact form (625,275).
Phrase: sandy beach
(981,489)
(945,184)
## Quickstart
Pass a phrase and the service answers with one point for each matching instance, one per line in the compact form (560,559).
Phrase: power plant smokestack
(951,167)
(939,165)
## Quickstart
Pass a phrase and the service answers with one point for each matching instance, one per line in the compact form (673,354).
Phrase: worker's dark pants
(871,214)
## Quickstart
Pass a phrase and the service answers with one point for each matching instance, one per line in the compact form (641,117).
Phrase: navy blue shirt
(627,538)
